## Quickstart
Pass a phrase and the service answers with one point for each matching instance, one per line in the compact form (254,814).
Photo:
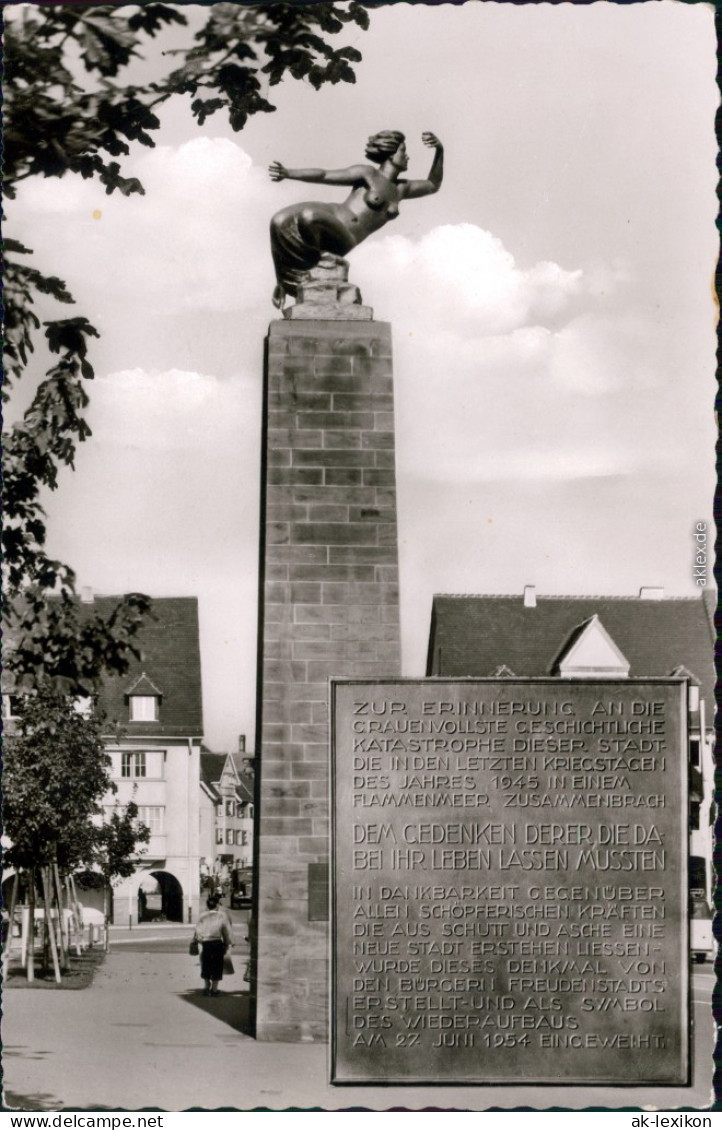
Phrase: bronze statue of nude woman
(302,233)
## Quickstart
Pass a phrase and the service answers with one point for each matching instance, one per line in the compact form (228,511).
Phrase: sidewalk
(143,1036)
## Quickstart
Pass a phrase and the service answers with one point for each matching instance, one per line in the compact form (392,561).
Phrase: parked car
(241,888)
(702,943)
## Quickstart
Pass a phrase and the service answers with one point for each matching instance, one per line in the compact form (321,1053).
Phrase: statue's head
(384,144)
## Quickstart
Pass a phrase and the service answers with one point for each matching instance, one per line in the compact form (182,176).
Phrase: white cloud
(172,410)
(462,279)
(196,240)
(595,354)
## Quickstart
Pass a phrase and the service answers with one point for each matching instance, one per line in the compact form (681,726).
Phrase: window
(230,808)
(694,751)
(229,836)
(143,708)
(694,816)
(132,765)
(152,817)
(219,835)
(239,810)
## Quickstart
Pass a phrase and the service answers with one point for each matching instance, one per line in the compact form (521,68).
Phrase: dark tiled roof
(141,685)
(245,790)
(211,766)
(473,635)
(170,659)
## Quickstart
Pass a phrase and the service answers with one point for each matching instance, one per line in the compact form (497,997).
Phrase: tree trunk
(106,916)
(31,924)
(11,920)
(63,938)
(73,894)
(44,878)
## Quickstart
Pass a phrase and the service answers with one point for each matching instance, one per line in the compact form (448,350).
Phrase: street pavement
(143,1036)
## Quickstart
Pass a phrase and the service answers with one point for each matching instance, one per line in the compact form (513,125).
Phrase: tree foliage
(55,775)
(71,108)
(54,125)
(118,841)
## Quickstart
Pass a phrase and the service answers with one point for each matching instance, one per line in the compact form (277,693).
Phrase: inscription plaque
(509,881)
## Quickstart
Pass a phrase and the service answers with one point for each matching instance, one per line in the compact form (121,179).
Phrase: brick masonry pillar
(329,606)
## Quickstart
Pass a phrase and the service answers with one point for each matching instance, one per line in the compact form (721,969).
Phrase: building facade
(154,717)
(227,844)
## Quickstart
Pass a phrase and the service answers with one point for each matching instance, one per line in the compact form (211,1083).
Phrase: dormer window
(143,708)
(591,653)
(144,699)
(693,687)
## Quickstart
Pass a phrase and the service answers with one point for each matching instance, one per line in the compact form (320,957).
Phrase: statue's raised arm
(302,233)
(416,188)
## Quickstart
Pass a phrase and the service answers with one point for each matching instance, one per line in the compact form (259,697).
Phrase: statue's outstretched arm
(414,188)
(350,176)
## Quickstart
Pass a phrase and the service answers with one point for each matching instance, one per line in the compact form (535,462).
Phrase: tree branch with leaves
(70,109)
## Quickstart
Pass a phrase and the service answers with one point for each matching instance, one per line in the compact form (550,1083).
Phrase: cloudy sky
(552,313)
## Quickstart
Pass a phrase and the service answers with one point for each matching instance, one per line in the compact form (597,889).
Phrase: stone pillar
(329,606)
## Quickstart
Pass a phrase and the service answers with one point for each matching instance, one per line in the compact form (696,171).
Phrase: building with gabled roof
(155,728)
(168,671)
(527,636)
(227,837)
(153,731)
(473,635)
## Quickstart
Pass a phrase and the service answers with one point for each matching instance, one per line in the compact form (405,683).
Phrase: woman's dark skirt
(212,960)
(300,234)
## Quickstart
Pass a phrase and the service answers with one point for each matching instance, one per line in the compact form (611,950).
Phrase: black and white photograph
(358,556)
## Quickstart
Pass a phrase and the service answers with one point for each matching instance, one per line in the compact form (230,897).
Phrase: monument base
(327,295)
(329,607)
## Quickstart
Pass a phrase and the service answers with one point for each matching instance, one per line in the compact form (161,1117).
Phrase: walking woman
(214,938)
(302,233)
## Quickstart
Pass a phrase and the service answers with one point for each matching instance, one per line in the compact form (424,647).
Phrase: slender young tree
(56,774)
(116,851)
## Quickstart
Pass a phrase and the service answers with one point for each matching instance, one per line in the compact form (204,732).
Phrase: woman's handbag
(227,965)
(193,948)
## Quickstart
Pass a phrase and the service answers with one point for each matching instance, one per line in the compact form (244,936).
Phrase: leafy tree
(116,849)
(71,108)
(56,773)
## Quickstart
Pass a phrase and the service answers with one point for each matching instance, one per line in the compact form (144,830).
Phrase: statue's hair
(383,144)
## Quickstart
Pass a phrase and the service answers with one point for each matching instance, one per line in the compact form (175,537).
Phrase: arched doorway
(160,898)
